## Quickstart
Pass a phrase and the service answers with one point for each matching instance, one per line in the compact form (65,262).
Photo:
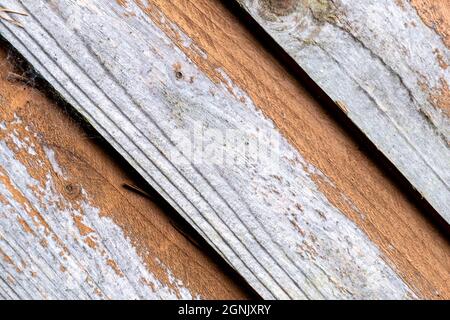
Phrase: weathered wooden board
(68,228)
(289,229)
(354,183)
(385,63)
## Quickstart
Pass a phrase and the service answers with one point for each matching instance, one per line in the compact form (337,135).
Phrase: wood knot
(72,191)
(279,7)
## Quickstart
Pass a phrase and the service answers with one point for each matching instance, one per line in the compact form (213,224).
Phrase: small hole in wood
(178,75)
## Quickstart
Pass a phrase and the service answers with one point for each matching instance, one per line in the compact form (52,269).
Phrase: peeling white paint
(277,229)
(45,254)
(51,158)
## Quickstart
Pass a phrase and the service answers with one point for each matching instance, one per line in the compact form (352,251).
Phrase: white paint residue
(22,144)
(51,248)
(323,251)
(51,158)
(276,228)
(343,45)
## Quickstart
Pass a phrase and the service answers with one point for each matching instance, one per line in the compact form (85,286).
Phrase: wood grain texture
(68,229)
(387,63)
(353,183)
(284,238)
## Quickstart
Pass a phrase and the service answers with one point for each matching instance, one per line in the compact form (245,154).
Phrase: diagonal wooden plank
(69,228)
(117,67)
(387,70)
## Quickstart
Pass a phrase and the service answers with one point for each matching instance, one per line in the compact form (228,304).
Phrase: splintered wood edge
(267,218)
(385,68)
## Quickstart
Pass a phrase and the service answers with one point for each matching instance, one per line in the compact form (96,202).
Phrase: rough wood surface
(278,230)
(386,63)
(68,228)
(353,183)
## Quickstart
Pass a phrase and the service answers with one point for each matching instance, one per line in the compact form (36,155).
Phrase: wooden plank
(387,63)
(283,235)
(68,228)
(354,183)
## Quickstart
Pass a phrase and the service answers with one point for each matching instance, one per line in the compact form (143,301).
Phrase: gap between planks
(381,63)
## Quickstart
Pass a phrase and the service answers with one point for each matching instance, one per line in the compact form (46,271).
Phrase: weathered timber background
(385,63)
(331,224)
(68,227)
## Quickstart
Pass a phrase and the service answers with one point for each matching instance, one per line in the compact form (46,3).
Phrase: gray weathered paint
(272,224)
(379,60)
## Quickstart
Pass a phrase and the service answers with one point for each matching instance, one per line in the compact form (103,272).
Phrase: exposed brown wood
(405,234)
(387,61)
(436,15)
(92,167)
(350,180)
